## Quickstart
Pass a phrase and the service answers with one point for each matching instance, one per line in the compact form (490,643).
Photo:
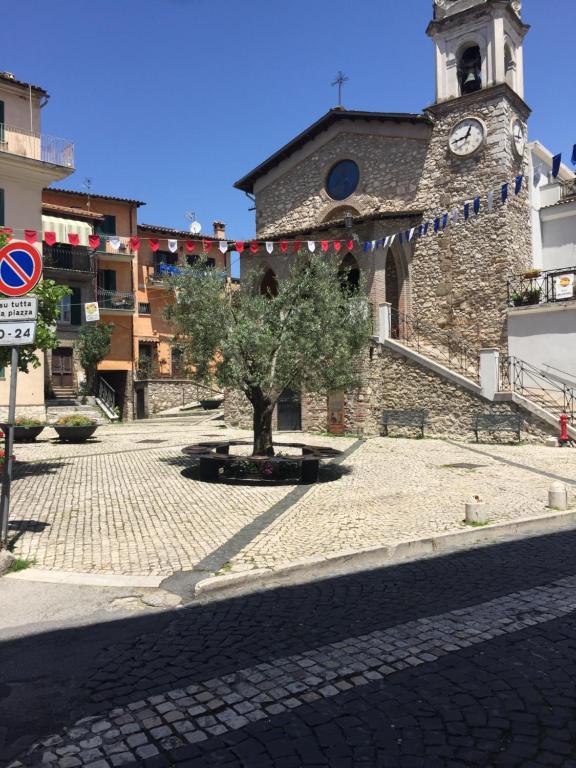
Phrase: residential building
(29,161)
(106,275)
(161,381)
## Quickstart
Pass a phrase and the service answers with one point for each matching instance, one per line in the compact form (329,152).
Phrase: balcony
(116,301)
(538,287)
(116,246)
(36,146)
(67,257)
(569,190)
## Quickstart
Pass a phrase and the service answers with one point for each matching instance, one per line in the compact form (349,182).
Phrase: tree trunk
(263,410)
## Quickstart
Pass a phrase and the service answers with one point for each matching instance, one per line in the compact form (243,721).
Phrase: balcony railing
(67,257)
(116,300)
(36,146)
(542,287)
(108,243)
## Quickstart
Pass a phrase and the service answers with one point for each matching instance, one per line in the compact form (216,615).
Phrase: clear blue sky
(171,101)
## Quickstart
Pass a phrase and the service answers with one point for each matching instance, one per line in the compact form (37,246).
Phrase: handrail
(444,346)
(106,393)
(116,299)
(541,387)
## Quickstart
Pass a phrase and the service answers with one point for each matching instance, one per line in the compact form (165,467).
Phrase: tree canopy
(94,342)
(309,333)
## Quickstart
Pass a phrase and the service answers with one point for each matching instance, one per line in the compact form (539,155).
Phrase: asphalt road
(465,660)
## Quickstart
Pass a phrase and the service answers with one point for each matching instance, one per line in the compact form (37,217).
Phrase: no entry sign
(20,268)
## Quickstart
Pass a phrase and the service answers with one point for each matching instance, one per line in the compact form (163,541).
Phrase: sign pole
(9,448)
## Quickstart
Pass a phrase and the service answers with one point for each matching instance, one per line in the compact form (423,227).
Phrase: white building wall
(544,335)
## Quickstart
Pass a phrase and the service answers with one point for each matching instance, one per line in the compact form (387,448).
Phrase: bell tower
(479,44)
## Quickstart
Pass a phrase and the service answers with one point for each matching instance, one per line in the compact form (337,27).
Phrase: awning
(65,227)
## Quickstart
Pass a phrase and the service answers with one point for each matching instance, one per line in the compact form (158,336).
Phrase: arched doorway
(269,284)
(349,273)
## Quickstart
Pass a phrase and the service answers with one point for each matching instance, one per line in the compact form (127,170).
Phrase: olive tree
(94,341)
(308,334)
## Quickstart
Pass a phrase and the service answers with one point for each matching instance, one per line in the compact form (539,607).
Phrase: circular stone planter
(217,463)
(75,434)
(210,405)
(27,434)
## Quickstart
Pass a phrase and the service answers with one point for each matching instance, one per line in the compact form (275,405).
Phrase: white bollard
(558,497)
(476,511)
(551,442)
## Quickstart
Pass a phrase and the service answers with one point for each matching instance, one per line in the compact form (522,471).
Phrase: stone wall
(161,395)
(393,382)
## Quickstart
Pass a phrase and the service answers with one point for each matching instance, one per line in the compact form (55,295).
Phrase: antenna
(87,184)
(195,226)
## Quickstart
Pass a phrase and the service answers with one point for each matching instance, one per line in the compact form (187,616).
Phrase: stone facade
(393,382)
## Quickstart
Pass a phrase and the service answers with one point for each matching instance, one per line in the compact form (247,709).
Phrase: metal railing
(68,257)
(542,287)
(441,345)
(106,394)
(544,388)
(116,300)
(36,146)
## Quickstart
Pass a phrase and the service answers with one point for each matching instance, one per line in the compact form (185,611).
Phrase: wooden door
(62,375)
(289,411)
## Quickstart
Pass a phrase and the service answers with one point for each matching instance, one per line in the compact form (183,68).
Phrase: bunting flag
(190,246)
(154,244)
(207,245)
(30,235)
(574,155)
(8,232)
(426,225)
(490,200)
(223,245)
(134,243)
(50,238)
(311,246)
(476,205)
(556,163)
(254,247)
(269,247)
(518,184)
(504,193)
(466,211)
(325,245)
(114,242)
(455,216)
(297,245)
(172,246)
(239,246)
(436,224)
(73,238)
(94,241)
(444,221)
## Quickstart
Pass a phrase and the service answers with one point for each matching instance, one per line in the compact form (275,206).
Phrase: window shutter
(76,308)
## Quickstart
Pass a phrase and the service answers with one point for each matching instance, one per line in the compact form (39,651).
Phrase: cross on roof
(340,80)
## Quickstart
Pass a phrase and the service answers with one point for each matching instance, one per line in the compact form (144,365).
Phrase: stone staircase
(56,409)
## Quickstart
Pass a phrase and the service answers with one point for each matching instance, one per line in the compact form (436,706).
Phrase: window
(470,70)
(76,307)
(343,180)
(2,374)
(2,222)
(107,279)
(194,259)
(106,227)
(144,308)
(65,310)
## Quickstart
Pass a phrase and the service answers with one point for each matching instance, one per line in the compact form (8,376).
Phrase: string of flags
(463,213)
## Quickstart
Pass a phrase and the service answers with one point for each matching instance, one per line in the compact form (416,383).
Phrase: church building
(363,177)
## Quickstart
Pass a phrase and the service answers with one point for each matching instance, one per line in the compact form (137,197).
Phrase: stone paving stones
(120,507)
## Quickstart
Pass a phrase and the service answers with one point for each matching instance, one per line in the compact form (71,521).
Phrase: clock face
(467,136)
(518,138)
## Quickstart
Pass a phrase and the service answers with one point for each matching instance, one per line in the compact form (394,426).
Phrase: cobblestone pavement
(129,503)
(465,660)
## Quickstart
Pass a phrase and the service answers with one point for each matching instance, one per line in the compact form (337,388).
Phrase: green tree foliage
(310,335)
(49,296)
(94,342)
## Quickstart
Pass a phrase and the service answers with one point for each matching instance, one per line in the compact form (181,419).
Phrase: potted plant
(26,430)
(526,297)
(211,404)
(75,428)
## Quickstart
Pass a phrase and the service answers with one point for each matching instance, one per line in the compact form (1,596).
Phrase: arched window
(349,273)
(269,284)
(339,213)
(509,65)
(392,282)
(470,70)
